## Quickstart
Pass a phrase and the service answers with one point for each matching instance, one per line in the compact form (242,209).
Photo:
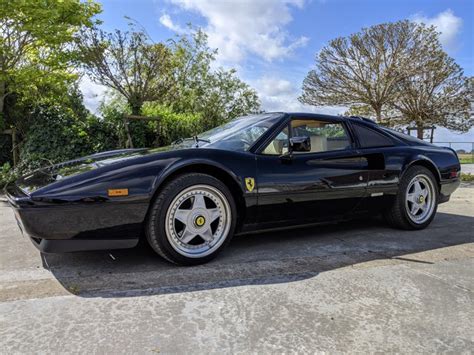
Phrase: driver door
(300,187)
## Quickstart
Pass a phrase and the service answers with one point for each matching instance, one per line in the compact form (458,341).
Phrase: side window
(368,138)
(324,136)
(279,145)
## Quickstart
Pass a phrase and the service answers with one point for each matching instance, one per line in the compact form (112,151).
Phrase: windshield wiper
(195,138)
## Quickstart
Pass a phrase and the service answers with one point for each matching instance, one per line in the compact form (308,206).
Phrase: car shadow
(264,258)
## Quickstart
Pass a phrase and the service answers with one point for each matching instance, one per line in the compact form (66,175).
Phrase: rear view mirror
(300,144)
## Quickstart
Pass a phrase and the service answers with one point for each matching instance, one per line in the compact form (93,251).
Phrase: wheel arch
(205,167)
(427,163)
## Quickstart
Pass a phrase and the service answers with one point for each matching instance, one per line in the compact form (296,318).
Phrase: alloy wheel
(198,221)
(419,201)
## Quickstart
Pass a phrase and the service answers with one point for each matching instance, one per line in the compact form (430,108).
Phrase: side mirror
(300,144)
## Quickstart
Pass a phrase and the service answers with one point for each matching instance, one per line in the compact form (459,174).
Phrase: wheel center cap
(421,199)
(199,221)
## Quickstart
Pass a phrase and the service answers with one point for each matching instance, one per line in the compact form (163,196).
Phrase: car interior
(324,136)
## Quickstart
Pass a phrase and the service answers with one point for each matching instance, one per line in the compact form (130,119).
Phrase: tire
(191,220)
(415,183)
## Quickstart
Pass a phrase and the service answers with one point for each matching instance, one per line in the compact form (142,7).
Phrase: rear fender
(425,161)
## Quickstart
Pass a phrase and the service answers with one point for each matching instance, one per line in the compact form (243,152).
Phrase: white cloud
(93,93)
(166,21)
(281,95)
(446,23)
(245,27)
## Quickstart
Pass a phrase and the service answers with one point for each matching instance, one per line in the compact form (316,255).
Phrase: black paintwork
(66,207)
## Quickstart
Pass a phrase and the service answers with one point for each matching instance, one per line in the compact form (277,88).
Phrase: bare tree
(438,94)
(365,68)
(128,62)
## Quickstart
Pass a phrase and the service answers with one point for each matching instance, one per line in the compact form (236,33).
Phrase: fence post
(129,142)
(14,147)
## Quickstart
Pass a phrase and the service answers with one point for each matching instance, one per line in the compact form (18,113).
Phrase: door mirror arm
(286,158)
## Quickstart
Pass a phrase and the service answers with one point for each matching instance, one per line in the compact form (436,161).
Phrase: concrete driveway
(467,168)
(351,287)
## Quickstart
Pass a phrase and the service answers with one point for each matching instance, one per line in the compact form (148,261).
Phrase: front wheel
(192,219)
(416,202)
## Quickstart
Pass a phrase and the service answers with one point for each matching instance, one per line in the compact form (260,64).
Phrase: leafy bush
(467,177)
(152,133)
(57,135)
(6,175)
(101,135)
(171,125)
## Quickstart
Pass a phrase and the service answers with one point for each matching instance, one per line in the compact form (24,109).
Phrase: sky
(273,43)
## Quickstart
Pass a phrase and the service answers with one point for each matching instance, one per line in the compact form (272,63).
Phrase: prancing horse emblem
(250,184)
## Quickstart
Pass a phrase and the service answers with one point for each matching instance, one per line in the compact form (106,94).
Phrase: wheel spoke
(417,187)
(187,236)
(206,234)
(199,202)
(214,214)
(414,209)
(182,215)
(424,192)
(411,198)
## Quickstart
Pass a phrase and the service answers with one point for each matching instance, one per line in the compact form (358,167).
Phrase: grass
(466,158)
(467,177)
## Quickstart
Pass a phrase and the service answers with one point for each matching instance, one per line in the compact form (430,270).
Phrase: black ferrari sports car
(256,172)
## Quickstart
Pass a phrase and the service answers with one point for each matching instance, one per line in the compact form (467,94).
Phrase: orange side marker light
(117,192)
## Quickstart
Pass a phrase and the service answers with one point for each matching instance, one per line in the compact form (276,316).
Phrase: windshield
(239,134)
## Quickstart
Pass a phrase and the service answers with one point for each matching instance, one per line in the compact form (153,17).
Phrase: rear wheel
(417,200)
(191,220)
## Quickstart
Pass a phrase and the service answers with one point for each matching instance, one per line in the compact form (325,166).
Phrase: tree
(35,44)
(127,62)
(438,94)
(217,95)
(177,75)
(367,67)
(36,50)
(390,117)
(191,71)
(226,96)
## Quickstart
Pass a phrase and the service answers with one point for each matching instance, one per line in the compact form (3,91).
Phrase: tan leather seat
(274,148)
(318,144)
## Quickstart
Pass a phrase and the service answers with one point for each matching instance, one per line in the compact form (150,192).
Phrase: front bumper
(66,246)
(66,227)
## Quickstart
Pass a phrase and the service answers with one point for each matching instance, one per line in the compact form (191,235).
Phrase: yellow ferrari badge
(200,220)
(250,184)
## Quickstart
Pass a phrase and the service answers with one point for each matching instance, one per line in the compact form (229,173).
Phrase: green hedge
(57,135)
(171,125)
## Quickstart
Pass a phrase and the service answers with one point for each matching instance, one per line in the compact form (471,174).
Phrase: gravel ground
(351,287)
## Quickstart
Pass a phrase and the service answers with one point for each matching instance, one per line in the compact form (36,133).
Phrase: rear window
(404,136)
(368,138)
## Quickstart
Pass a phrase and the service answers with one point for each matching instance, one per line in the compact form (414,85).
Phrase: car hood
(45,176)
